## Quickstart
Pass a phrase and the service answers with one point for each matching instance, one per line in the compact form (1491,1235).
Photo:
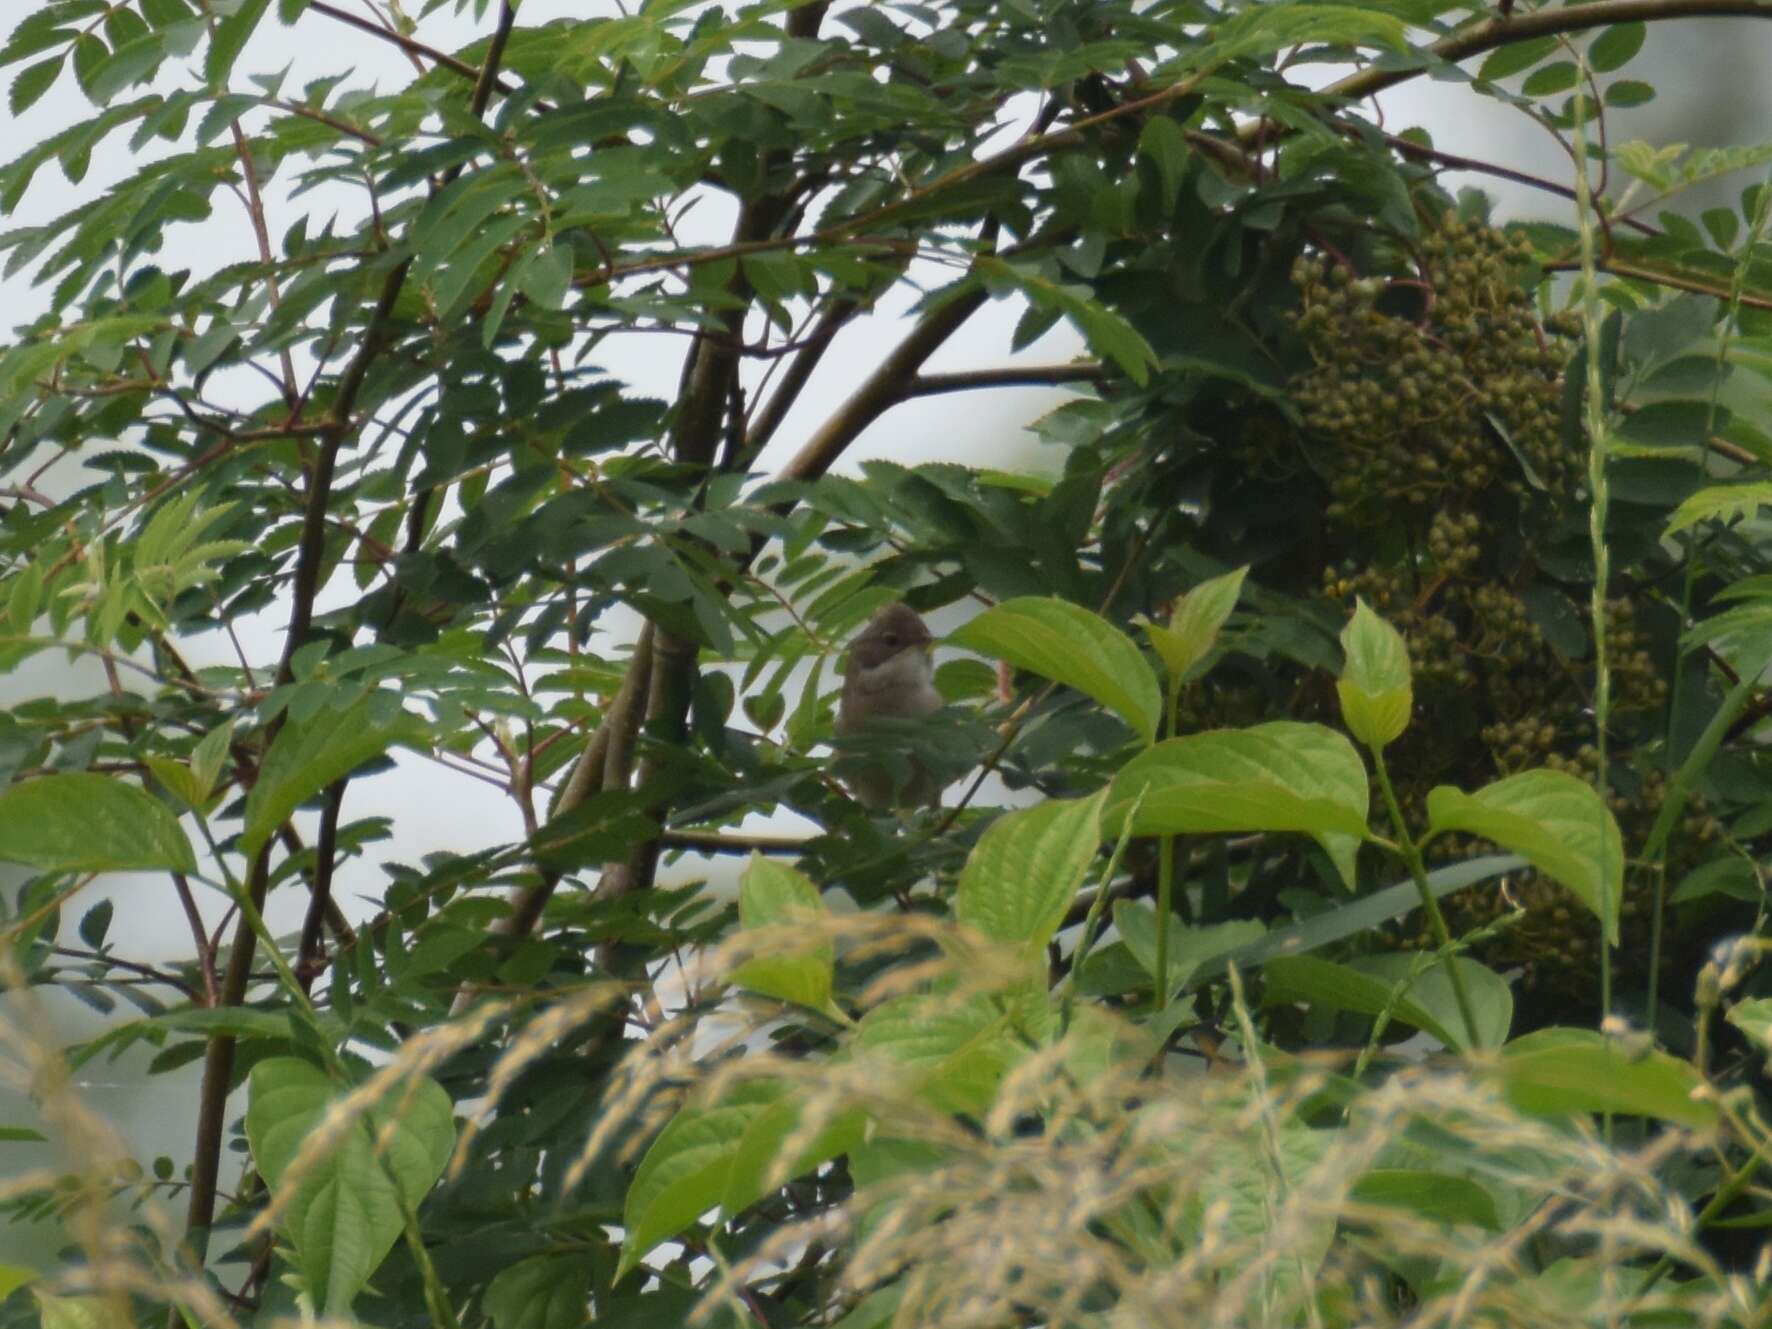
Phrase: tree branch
(929,385)
(406,44)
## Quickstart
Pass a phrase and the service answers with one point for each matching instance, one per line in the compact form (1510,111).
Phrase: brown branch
(255,209)
(929,385)
(1452,161)
(799,371)
(716,842)
(1498,32)
(1668,279)
(310,955)
(405,43)
(883,388)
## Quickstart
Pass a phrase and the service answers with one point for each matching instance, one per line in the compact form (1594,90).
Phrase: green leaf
(1189,948)
(1025,870)
(1067,644)
(311,753)
(1616,46)
(1492,1000)
(759,1163)
(541,1292)
(228,39)
(1569,1072)
(951,1051)
(83,822)
(771,895)
(1754,1018)
(13,1277)
(1550,79)
(29,84)
(1438,1197)
(1515,58)
(1281,776)
(1165,143)
(74,1312)
(1193,627)
(1628,92)
(685,1171)
(1723,503)
(349,1205)
(1375,689)
(1555,821)
(1109,335)
(1290,978)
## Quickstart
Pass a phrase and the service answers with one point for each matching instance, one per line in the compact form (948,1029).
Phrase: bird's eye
(891,639)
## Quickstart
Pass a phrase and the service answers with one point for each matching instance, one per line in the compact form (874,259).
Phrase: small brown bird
(890,676)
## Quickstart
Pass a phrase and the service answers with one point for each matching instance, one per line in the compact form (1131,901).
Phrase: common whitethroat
(890,677)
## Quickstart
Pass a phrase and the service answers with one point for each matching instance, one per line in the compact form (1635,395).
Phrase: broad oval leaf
(952,1051)
(1491,999)
(1438,1197)
(1193,627)
(722,1155)
(348,1207)
(1374,687)
(1067,644)
(1430,1009)
(1569,1072)
(310,753)
(1025,870)
(542,1292)
(1281,776)
(774,895)
(1189,948)
(1553,820)
(84,822)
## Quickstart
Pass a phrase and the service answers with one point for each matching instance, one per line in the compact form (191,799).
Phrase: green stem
(1594,425)
(1166,863)
(1418,872)
(1165,901)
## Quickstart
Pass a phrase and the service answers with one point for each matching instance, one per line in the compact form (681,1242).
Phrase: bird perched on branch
(889,677)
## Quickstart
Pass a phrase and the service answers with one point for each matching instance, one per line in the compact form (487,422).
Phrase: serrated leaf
(1375,688)
(349,1206)
(1067,644)
(1724,503)
(1556,822)
(774,895)
(30,83)
(541,1292)
(83,822)
(1020,878)
(308,755)
(228,38)
(1281,776)
(951,1051)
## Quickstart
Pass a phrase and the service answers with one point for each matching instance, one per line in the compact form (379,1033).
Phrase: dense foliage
(1384,659)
